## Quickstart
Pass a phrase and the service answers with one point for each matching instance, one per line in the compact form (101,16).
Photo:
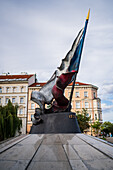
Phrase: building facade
(15,88)
(84,96)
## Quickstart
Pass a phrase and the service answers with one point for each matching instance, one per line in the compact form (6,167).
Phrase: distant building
(84,96)
(15,88)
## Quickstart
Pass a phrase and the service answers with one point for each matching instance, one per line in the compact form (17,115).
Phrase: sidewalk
(57,152)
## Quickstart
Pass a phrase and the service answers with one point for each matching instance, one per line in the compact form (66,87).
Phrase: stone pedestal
(64,122)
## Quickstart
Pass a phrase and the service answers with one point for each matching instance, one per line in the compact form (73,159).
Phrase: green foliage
(107,127)
(83,120)
(96,126)
(9,122)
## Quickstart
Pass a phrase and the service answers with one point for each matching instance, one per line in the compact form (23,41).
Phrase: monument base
(64,122)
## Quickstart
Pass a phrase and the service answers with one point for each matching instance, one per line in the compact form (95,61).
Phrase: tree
(9,122)
(107,127)
(96,126)
(83,120)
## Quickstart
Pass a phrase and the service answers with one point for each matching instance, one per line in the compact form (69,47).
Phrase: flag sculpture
(66,73)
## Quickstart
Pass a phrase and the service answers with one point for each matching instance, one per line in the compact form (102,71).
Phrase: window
(7,90)
(94,94)
(77,94)
(87,114)
(95,104)
(0,90)
(85,94)
(99,116)
(32,117)
(21,111)
(69,94)
(21,100)
(72,104)
(32,106)
(86,105)
(13,100)
(77,105)
(98,104)
(7,100)
(95,116)
(22,89)
(0,100)
(14,89)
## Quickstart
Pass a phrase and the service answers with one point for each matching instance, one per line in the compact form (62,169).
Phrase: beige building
(15,88)
(84,96)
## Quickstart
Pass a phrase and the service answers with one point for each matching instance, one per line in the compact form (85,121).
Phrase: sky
(36,35)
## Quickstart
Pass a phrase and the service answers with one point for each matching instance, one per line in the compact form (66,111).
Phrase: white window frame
(21,100)
(6,100)
(22,89)
(14,89)
(32,117)
(85,93)
(98,104)
(32,106)
(86,104)
(77,94)
(95,116)
(94,94)
(77,105)
(7,89)
(21,111)
(69,93)
(13,100)
(0,89)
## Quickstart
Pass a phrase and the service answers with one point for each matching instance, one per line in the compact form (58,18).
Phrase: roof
(79,84)
(15,77)
(38,84)
(42,84)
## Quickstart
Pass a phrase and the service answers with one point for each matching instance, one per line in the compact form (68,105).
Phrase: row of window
(78,105)
(77,94)
(14,89)
(13,100)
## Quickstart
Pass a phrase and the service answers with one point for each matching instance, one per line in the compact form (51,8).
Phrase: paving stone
(72,139)
(32,139)
(78,165)
(50,153)
(49,166)
(24,150)
(4,165)
(103,147)
(4,146)
(20,152)
(99,164)
(51,139)
(13,165)
(86,152)
(70,152)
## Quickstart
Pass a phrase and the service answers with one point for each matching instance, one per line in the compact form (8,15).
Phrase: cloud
(106,107)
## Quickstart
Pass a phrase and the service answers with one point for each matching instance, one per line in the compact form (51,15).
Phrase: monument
(59,118)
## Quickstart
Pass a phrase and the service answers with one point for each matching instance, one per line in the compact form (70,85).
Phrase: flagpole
(75,75)
(71,95)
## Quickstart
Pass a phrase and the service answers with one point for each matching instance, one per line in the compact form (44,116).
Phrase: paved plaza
(56,152)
